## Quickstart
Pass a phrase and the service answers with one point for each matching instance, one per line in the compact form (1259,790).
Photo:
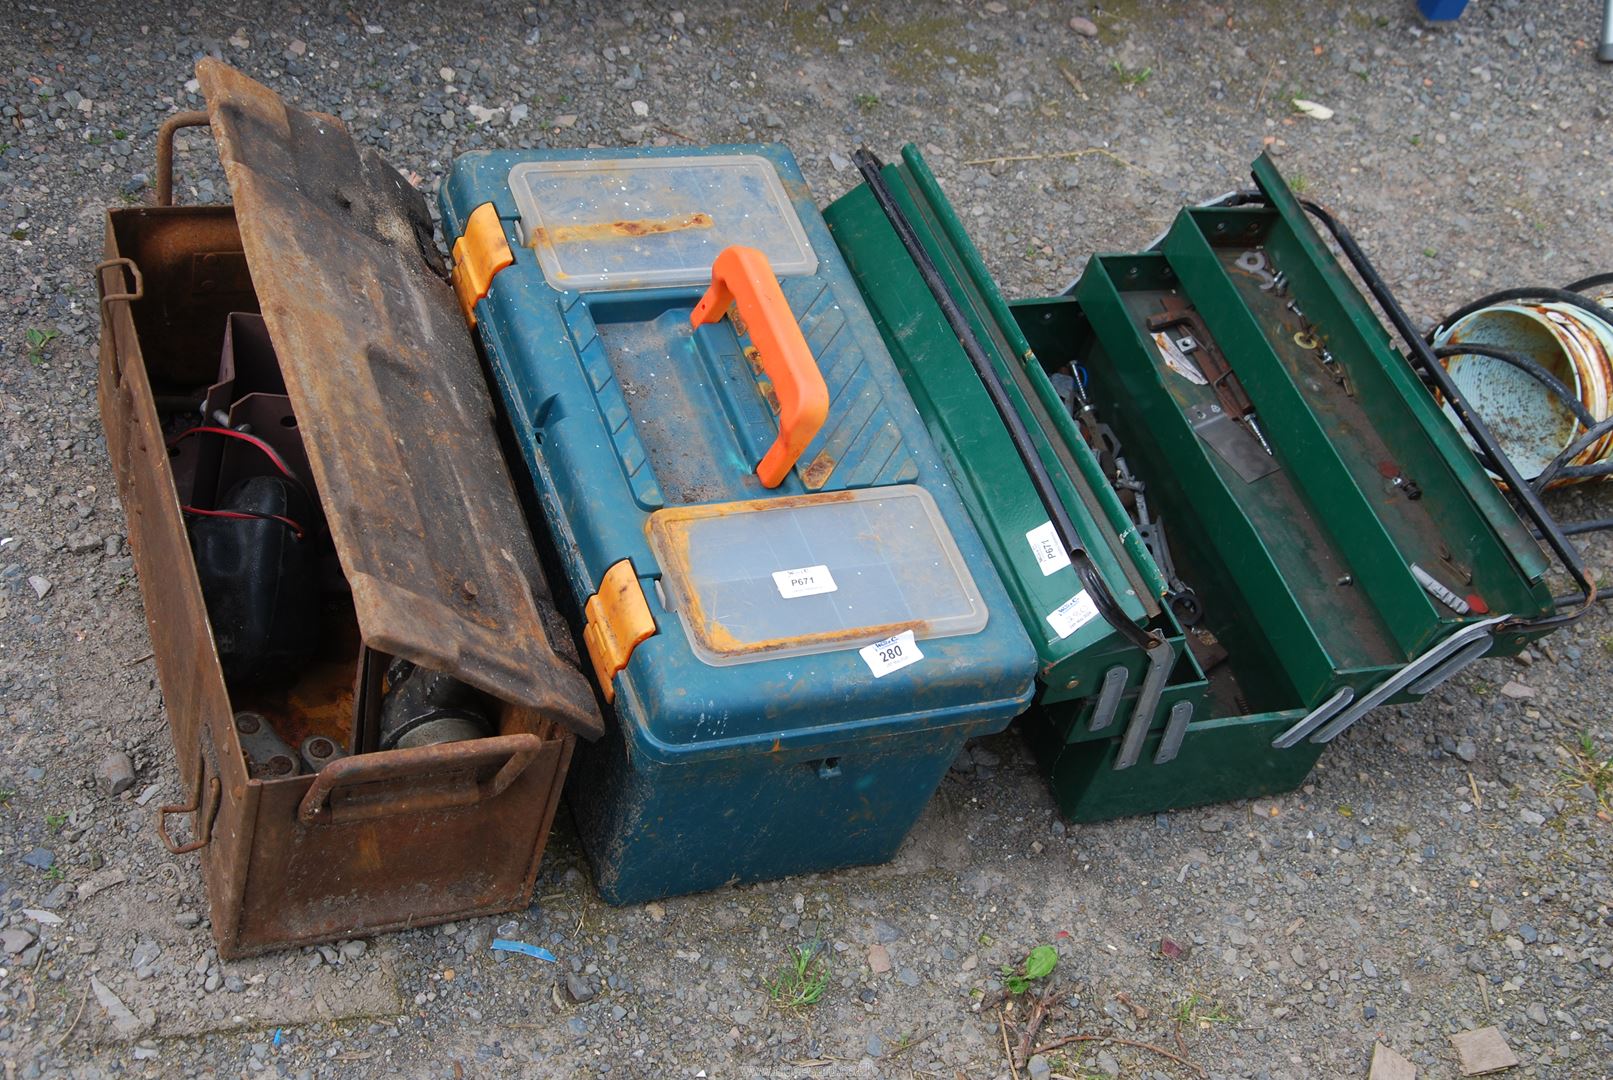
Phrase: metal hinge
(618,618)
(479,254)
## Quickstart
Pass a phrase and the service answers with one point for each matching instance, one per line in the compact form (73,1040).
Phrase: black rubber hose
(1561,296)
(1108,607)
(1570,452)
(1594,471)
(1589,282)
(1529,367)
(1594,525)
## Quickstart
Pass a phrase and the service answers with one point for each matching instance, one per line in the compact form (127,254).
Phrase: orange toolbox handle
(742,276)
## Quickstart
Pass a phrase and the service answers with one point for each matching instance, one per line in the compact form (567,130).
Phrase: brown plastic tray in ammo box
(418,546)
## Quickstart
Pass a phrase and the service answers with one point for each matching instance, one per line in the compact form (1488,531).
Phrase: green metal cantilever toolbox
(1342,551)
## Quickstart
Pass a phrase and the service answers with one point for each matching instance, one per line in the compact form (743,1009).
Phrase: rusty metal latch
(479,254)
(618,618)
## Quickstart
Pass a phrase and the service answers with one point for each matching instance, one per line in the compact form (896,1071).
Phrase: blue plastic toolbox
(782,594)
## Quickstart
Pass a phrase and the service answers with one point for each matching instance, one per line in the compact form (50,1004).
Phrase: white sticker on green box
(1049,550)
(1073,614)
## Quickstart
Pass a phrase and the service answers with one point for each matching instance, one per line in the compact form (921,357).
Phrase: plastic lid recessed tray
(629,223)
(806,574)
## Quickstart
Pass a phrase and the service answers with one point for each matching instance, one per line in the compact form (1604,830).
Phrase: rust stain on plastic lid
(607,230)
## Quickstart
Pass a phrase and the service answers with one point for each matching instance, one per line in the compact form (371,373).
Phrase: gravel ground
(1444,869)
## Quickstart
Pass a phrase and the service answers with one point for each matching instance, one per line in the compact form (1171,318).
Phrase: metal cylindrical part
(1531,421)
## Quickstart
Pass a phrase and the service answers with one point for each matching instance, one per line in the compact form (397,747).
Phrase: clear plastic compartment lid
(816,573)
(638,222)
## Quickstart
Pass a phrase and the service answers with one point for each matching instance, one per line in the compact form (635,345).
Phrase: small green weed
(54,822)
(867,102)
(37,340)
(1299,183)
(6,795)
(56,873)
(802,979)
(1198,1011)
(1038,964)
(1131,77)
(1591,767)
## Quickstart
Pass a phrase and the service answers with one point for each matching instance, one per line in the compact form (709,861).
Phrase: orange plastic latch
(481,252)
(741,276)
(618,618)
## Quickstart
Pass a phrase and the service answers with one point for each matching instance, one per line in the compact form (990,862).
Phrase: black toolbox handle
(165,151)
(412,770)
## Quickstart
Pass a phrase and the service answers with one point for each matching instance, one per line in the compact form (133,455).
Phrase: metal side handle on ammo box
(411,775)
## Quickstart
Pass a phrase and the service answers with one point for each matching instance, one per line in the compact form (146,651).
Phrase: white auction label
(1073,614)
(892,654)
(807,581)
(1050,553)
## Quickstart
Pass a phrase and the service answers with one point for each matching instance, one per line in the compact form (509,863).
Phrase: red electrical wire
(248,515)
(268,451)
(274,458)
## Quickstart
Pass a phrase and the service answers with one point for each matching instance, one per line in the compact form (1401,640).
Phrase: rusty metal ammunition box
(334,248)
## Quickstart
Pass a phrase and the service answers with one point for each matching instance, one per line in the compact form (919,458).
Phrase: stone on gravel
(114,773)
(124,1021)
(14,939)
(1517,691)
(1482,1051)
(1107,1064)
(1038,1067)
(40,585)
(879,960)
(1084,26)
(1389,1065)
(579,989)
(40,858)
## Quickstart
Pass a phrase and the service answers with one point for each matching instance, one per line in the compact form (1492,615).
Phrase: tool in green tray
(1306,550)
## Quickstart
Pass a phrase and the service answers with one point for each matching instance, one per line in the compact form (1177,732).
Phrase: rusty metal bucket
(1532,423)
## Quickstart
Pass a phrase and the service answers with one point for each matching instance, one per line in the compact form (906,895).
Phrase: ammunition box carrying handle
(741,276)
(203,802)
(126,297)
(406,781)
(165,151)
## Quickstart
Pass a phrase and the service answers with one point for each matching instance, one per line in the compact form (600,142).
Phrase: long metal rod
(1108,607)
